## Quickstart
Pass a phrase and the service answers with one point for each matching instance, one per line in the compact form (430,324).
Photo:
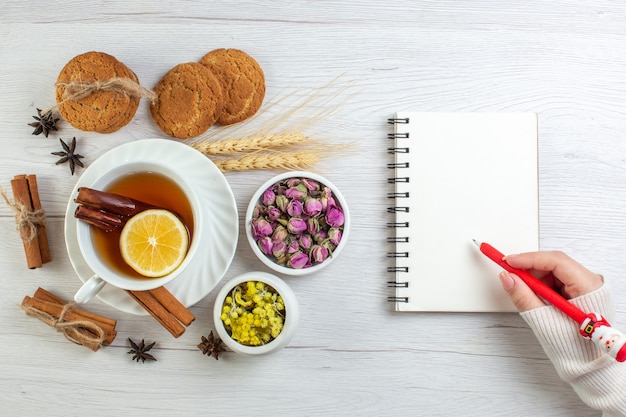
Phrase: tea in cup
(151,183)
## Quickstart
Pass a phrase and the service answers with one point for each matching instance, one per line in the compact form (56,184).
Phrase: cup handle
(89,289)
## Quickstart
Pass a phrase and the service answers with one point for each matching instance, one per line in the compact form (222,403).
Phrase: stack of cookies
(101,111)
(227,86)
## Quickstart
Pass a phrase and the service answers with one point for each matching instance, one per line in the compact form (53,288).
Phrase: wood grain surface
(337,69)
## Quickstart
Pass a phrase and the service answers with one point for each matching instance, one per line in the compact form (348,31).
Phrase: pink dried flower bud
(279,249)
(305,241)
(334,235)
(268,197)
(320,236)
(292,182)
(273,213)
(280,234)
(318,254)
(265,244)
(312,226)
(312,207)
(334,216)
(300,192)
(296,225)
(261,228)
(293,246)
(298,261)
(294,208)
(310,184)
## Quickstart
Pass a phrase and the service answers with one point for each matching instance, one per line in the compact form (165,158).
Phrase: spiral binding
(398,299)
(396,208)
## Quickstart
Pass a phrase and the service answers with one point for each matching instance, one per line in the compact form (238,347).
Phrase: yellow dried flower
(253,313)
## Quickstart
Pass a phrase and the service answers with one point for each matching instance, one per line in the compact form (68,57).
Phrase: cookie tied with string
(97,108)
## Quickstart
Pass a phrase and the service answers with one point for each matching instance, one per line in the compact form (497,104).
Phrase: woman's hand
(555,269)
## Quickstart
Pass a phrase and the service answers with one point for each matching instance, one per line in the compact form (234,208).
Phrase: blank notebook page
(469,176)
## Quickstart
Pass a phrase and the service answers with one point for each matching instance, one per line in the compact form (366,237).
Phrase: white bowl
(292,313)
(269,261)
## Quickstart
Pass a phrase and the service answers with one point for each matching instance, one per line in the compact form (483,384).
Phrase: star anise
(44,122)
(211,346)
(68,155)
(140,351)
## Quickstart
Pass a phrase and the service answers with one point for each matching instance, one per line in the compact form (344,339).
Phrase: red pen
(592,326)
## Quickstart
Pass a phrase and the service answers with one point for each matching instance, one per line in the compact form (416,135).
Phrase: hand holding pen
(534,278)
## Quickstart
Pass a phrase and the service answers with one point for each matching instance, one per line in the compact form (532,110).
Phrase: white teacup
(104,272)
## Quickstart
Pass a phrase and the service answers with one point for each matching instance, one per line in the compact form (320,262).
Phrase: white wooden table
(363,59)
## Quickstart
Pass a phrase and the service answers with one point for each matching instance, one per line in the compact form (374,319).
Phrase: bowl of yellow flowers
(256,313)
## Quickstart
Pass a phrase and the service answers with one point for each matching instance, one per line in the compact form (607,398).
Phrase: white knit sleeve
(598,379)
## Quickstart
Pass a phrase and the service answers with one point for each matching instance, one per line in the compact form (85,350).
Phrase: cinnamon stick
(55,309)
(44,295)
(160,313)
(110,202)
(173,305)
(42,234)
(21,195)
(100,219)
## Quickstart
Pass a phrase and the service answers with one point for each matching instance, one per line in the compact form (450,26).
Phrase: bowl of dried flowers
(256,313)
(297,223)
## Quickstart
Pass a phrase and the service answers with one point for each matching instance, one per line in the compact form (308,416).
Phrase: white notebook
(458,177)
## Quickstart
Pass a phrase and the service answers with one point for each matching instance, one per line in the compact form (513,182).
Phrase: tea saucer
(221,223)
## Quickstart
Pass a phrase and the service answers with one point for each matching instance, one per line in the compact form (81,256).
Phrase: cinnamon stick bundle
(80,326)
(107,211)
(31,220)
(165,308)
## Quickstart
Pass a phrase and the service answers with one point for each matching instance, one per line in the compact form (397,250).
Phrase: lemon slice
(154,242)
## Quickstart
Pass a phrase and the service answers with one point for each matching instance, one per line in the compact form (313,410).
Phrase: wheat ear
(231,146)
(290,161)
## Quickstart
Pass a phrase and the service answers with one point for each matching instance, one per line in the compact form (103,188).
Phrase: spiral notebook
(457,177)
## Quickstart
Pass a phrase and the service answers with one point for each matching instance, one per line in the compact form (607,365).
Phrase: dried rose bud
(280,234)
(312,226)
(299,192)
(294,208)
(298,261)
(305,241)
(329,245)
(296,225)
(293,246)
(292,182)
(334,235)
(273,213)
(279,249)
(258,211)
(265,244)
(281,202)
(320,236)
(318,254)
(269,197)
(310,184)
(261,228)
(312,207)
(326,195)
(334,216)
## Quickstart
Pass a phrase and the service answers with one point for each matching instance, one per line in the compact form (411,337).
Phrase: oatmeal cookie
(242,80)
(189,101)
